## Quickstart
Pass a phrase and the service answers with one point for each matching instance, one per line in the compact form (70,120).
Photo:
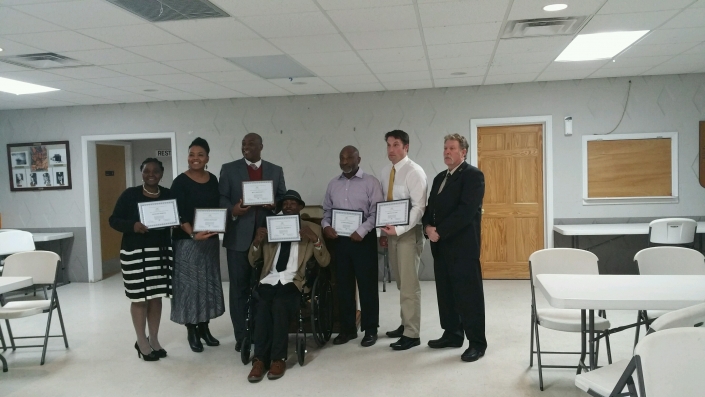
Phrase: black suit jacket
(457,213)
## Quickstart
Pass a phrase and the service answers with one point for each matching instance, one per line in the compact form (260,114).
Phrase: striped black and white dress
(146,259)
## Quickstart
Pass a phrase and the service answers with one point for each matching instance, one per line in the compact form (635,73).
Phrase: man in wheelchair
(279,290)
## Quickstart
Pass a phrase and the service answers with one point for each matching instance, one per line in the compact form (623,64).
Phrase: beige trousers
(404,258)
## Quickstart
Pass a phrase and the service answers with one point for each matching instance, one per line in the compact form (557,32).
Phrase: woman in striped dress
(145,257)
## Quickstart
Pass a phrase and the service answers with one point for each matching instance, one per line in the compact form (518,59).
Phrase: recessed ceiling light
(299,82)
(21,88)
(150,90)
(458,73)
(590,47)
(555,7)
(0,49)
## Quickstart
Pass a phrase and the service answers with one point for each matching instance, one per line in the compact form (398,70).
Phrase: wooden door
(511,157)
(111,183)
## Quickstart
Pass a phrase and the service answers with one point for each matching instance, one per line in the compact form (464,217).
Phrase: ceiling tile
(409,85)
(460,49)
(566,66)
(143,69)
(404,66)
(464,62)
(33,76)
(6,67)
(655,50)
(75,85)
(203,65)
(129,97)
(148,85)
(403,76)
(386,39)
(211,29)
(239,48)
(669,36)
(194,86)
(462,12)
(469,72)
(619,72)
(690,18)
(624,62)
(235,75)
(59,41)
(129,36)
(696,49)
(220,93)
(353,4)
(176,96)
(343,80)
(534,9)
(459,82)
(169,79)
(627,22)
(82,14)
(565,75)
(311,44)
(14,22)
(359,87)
(527,68)
(628,6)
(288,25)
(510,78)
(120,82)
(393,54)
(171,52)
(528,57)
(102,92)
(327,58)
(340,70)
(87,72)
(462,33)
(690,58)
(674,68)
(533,44)
(10,47)
(108,56)
(239,8)
(257,88)
(375,19)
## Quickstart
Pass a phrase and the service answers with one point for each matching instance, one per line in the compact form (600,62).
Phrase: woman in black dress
(145,257)
(198,290)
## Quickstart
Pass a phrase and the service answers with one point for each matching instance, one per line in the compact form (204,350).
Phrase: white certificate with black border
(158,214)
(210,220)
(346,222)
(281,228)
(393,213)
(257,193)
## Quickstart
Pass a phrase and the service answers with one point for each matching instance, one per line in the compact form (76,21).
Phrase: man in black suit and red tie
(452,223)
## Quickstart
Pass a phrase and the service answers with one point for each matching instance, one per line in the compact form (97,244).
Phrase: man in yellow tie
(404,179)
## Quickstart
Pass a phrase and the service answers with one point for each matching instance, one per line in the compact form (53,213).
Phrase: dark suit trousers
(240,274)
(461,300)
(357,261)
(276,307)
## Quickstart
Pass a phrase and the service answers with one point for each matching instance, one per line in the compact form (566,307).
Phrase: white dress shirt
(258,163)
(409,183)
(287,276)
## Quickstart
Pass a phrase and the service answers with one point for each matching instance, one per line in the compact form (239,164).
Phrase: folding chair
(602,381)
(560,261)
(42,267)
(672,231)
(665,261)
(14,241)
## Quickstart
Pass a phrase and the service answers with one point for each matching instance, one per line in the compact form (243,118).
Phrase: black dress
(146,259)
(198,289)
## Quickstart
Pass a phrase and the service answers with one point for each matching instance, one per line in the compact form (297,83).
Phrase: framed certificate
(156,214)
(282,228)
(210,220)
(346,222)
(257,193)
(393,213)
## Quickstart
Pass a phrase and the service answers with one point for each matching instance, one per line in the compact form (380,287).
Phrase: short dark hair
(202,143)
(398,134)
(152,160)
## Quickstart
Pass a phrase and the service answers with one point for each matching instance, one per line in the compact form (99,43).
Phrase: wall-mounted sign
(163,153)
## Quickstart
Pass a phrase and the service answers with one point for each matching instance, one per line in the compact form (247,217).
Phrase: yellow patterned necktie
(390,188)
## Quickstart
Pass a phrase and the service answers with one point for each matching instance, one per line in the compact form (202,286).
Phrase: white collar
(400,163)
(258,163)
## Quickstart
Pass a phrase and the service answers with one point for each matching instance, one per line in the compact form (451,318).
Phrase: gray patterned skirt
(197,288)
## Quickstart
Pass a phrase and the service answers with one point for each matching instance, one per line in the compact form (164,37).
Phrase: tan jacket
(306,251)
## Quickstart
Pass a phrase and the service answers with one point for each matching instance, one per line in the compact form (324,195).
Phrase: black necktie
(283,256)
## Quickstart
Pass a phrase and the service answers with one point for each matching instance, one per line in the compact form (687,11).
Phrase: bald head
(349,160)
(252,147)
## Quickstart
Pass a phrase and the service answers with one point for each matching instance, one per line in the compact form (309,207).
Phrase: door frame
(129,178)
(90,190)
(547,123)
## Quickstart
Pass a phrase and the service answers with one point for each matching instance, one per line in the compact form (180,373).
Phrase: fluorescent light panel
(590,47)
(21,88)
(555,7)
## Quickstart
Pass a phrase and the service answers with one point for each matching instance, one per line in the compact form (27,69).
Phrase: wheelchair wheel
(246,349)
(301,349)
(321,310)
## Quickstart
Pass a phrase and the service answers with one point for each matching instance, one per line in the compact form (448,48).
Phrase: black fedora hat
(292,195)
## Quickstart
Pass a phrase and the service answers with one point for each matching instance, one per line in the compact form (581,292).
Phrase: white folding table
(611,229)
(8,284)
(617,292)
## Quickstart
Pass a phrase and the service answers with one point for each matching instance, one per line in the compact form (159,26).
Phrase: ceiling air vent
(45,60)
(542,27)
(272,66)
(171,10)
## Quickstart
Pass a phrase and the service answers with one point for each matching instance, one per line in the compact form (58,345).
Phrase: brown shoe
(257,372)
(276,370)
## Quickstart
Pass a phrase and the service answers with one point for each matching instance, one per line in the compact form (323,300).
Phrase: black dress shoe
(472,354)
(368,340)
(194,341)
(343,338)
(397,333)
(405,343)
(238,346)
(446,341)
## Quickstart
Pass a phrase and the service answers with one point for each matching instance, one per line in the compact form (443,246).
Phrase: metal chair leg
(9,333)
(638,328)
(46,336)
(609,350)
(61,321)
(538,356)
(531,348)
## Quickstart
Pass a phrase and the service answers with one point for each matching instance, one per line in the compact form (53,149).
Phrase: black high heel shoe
(146,357)
(161,353)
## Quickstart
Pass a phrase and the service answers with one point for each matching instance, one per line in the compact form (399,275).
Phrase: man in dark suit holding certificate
(452,223)
(244,220)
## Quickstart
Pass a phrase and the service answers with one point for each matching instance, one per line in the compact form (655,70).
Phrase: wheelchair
(315,310)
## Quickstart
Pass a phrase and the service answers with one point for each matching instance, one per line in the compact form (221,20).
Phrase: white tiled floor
(102,361)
